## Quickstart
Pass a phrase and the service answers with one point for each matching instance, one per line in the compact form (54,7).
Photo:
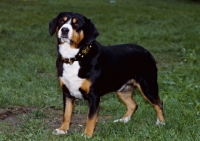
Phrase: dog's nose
(65,30)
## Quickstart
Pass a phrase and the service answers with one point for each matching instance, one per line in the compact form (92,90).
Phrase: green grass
(170,29)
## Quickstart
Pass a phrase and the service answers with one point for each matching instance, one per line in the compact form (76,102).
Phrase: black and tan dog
(87,70)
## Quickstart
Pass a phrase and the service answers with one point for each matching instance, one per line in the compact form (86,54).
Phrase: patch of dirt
(9,117)
(10,114)
(53,117)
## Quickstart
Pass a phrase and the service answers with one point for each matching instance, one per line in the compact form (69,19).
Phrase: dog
(88,70)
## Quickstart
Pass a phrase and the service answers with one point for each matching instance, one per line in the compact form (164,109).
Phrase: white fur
(125,120)
(70,33)
(70,72)
(158,122)
(85,136)
(66,51)
(59,132)
(71,80)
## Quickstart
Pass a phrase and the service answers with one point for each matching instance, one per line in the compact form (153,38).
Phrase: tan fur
(74,20)
(90,125)
(158,109)
(129,102)
(67,114)
(86,85)
(65,19)
(77,38)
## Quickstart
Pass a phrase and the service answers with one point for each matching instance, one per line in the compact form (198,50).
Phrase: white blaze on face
(67,37)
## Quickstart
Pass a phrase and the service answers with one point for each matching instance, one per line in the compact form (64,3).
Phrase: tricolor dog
(88,70)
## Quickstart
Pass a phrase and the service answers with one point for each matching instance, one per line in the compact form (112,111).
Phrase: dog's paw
(158,122)
(59,132)
(86,136)
(124,120)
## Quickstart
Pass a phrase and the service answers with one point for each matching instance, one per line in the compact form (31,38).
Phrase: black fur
(109,67)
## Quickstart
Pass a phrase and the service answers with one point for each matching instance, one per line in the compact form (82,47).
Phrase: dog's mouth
(64,38)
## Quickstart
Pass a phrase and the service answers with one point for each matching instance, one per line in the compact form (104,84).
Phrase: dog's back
(120,63)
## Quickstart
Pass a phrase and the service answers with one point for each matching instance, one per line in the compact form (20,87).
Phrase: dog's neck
(79,53)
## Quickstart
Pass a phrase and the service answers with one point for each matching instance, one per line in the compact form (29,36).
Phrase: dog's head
(73,28)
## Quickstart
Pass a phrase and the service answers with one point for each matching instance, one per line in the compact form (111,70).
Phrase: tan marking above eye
(74,20)
(65,19)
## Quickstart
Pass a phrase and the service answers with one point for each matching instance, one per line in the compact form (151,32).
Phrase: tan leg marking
(129,102)
(69,107)
(60,81)
(159,113)
(138,86)
(90,125)
(86,86)
(158,108)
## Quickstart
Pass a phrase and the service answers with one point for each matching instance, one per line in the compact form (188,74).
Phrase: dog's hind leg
(131,105)
(149,90)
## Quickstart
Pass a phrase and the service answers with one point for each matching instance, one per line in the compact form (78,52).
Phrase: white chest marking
(70,72)
(66,51)
(71,80)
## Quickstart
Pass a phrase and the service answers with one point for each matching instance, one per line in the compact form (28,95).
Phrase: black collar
(81,54)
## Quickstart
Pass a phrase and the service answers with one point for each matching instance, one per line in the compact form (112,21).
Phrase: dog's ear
(53,25)
(90,31)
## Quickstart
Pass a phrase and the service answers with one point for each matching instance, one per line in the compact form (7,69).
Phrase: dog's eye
(76,24)
(61,21)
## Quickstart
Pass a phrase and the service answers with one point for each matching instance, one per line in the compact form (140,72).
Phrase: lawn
(30,96)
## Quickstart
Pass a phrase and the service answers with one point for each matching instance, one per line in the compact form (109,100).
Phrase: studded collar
(82,53)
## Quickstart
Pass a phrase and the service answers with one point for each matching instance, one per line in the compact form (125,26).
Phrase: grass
(168,28)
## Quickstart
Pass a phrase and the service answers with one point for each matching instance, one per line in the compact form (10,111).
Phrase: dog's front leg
(67,115)
(92,115)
